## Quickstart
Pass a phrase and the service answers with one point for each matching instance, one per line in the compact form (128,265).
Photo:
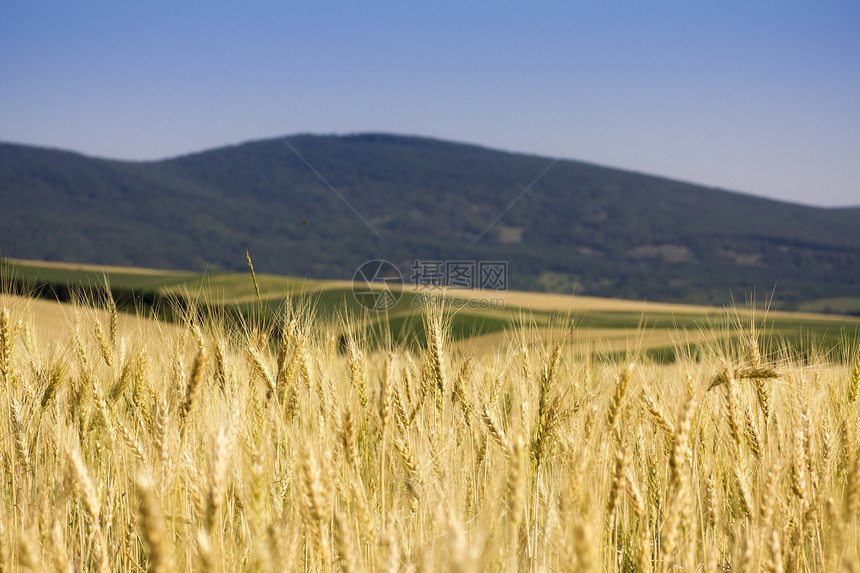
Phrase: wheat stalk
(5,346)
(620,391)
(152,526)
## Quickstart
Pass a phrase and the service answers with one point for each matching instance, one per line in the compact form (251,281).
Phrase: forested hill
(319,206)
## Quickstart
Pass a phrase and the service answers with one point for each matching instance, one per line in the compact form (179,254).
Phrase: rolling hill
(664,331)
(320,206)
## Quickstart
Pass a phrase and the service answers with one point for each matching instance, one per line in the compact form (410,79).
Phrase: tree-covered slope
(319,206)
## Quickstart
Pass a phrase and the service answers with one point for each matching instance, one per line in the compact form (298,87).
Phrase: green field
(233,294)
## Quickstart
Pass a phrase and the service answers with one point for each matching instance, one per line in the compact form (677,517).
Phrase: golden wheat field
(133,446)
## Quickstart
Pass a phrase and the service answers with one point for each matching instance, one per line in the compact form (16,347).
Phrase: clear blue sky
(759,97)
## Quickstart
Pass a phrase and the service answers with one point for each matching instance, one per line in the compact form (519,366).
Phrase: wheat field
(300,446)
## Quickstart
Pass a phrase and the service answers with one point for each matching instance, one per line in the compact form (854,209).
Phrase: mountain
(320,206)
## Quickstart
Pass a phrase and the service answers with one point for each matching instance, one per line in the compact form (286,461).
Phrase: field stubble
(131,445)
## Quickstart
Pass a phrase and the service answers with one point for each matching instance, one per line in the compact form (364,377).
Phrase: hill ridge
(596,229)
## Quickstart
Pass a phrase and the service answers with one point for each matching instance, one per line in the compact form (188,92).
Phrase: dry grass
(189,447)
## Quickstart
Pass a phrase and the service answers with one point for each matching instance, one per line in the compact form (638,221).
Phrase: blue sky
(759,97)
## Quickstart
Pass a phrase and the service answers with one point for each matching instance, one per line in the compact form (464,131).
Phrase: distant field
(53,320)
(842,305)
(480,317)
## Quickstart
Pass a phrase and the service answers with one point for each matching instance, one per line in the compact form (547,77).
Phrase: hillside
(606,326)
(597,230)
